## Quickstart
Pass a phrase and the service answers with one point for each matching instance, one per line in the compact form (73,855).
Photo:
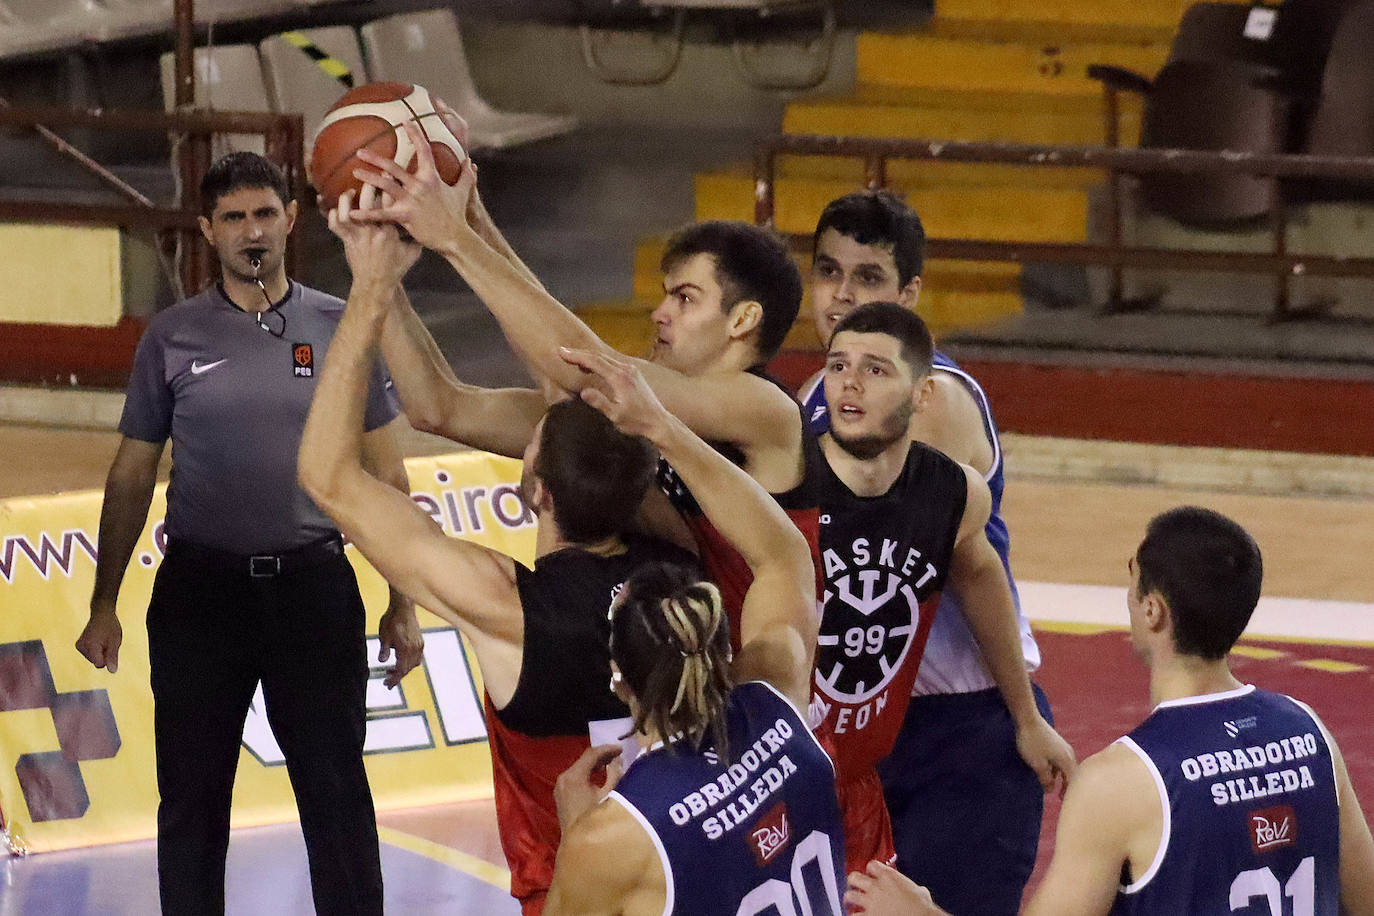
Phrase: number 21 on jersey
(1263,883)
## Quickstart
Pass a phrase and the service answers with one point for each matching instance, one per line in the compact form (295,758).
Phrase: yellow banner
(76,743)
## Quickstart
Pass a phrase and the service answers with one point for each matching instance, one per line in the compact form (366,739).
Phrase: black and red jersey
(564,686)
(884,561)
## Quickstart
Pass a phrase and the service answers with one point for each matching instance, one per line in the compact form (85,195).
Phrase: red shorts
(533,905)
(867,827)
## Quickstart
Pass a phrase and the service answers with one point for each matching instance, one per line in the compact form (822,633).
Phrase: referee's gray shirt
(234,398)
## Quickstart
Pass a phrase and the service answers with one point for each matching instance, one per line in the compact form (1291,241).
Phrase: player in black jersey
(1226,799)
(540,635)
(730,808)
(900,522)
(731,292)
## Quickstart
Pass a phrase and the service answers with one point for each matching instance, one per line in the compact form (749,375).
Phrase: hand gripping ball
(372,117)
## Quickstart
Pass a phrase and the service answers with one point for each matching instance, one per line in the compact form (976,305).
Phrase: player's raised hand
(618,390)
(577,791)
(1047,753)
(881,890)
(376,252)
(434,213)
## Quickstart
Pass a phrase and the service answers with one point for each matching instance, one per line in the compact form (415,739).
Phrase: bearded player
(901,523)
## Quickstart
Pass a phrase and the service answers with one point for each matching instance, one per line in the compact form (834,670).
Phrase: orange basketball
(372,117)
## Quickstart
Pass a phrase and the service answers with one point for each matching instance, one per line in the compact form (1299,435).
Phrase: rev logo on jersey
(1273,828)
(770,835)
(302,360)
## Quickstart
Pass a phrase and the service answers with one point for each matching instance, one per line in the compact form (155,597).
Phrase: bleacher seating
(297,83)
(427,48)
(229,78)
(809,59)
(1343,121)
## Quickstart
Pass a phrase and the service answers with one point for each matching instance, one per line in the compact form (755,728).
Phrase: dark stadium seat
(1343,121)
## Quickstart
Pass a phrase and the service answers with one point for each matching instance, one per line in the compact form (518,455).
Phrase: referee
(254,585)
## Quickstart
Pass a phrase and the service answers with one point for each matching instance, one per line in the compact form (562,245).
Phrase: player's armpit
(1111,815)
(606,865)
(745,410)
(657,518)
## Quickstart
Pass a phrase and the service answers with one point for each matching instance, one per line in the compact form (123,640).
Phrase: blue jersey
(953,663)
(1251,822)
(759,834)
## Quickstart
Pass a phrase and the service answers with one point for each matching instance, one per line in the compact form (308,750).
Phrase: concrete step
(1146,15)
(951,211)
(921,60)
(1009,117)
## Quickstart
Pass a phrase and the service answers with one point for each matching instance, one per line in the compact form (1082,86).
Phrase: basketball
(372,117)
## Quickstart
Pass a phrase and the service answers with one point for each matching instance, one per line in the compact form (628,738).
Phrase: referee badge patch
(302,360)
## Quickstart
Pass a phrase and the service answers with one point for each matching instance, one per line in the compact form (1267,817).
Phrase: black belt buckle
(264,567)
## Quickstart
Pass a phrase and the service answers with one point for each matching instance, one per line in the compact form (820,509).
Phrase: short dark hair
(879,218)
(918,348)
(752,263)
(596,474)
(1208,570)
(670,638)
(240,170)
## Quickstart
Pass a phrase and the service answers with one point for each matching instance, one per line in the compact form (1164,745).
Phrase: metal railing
(875,154)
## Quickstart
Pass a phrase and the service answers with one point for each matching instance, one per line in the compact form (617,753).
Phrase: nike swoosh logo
(197,368)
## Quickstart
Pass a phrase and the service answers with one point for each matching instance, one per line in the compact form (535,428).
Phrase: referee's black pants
(214,631)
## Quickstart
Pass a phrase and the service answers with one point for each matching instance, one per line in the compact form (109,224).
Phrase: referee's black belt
(260,565)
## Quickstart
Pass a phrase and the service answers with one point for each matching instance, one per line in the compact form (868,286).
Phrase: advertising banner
(76,743)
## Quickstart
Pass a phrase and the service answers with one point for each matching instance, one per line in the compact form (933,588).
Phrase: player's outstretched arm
(398,631)
(1111,804)
(750,412)
(439,217)
(500,421)
(977,576)
(779,621)
(468,585)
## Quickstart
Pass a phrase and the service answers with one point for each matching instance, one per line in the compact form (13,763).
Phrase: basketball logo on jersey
(871,612)
(1273,828)
(770,835)
(302,360)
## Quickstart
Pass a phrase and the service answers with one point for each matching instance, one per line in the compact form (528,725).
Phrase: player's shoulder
(611,831)
(1117,782)
(609,852)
